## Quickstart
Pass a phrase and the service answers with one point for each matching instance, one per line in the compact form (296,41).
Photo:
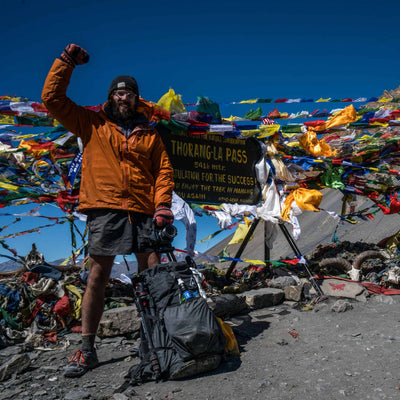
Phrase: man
(126,185)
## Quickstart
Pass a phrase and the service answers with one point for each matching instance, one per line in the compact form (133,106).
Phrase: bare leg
(147,260)
(93,299)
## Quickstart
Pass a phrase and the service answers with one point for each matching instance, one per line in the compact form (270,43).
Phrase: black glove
(74,55)
(163,216)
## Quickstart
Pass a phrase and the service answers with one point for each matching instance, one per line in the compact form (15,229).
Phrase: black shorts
(118,232)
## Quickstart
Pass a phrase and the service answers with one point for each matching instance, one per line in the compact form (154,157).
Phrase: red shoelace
(78,357)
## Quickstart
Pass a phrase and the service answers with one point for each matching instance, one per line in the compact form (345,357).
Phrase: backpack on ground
(180,335)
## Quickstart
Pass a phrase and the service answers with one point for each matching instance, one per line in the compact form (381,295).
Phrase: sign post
(213,169)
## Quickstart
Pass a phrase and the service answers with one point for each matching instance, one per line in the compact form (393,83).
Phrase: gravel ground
(286,354)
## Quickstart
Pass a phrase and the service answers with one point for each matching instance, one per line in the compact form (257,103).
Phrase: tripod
(291,243)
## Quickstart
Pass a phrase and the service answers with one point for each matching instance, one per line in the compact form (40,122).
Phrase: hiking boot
(196,367)
(80,362)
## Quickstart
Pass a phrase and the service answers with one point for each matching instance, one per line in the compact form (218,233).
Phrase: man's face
(123,104)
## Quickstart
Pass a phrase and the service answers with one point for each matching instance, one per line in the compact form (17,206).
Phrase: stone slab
(341,288)
(263,297)
(226,305)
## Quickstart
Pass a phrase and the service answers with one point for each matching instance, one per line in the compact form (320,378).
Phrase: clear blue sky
(228,51)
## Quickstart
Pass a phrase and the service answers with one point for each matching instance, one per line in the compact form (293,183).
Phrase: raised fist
(74,55)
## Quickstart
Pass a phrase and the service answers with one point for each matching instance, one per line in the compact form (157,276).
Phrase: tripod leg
(241,248)
(171,256)
(296,250)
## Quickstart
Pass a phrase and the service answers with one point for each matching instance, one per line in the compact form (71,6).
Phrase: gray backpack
(180,335)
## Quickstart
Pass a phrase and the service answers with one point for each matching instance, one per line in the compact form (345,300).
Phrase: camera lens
(168,233)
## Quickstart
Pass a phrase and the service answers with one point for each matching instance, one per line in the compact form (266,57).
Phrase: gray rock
(264,297)
(120,396)
(9,351)
(363,296)
(383,299)
(321,306)
(15,365)
(12,394)
(264,383)
(340,288)
(40,393)
(341,306)
(119,321)
(89,385)
(50,368)
(293,293)
(226,305)
(74,338)
(114,341)
(282,281)
(77,395)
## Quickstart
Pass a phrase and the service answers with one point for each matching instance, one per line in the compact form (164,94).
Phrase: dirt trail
(286,354)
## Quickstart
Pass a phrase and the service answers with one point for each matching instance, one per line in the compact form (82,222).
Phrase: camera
(161,239)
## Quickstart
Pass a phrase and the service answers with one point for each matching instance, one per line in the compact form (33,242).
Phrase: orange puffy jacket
(131,173)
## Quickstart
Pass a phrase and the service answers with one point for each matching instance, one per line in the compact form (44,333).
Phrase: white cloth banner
(182,212)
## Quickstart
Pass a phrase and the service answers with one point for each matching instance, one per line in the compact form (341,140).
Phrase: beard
(122,114)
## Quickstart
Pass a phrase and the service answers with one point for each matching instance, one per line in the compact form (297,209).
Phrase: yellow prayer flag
(8,186)
(27,136)
(232,118)
(306,199)
(249,132)
(268,130)
(364,138)
(6,119)
(41,163)
(289,134)
(310,143)
(345,116)
(76,312)
(321,100)
(252,101)
(255,262)
(240,234)
(206,238)
(21,201)
(172,102)
(375,123)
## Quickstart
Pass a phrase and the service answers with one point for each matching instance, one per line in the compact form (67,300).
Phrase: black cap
(123,82)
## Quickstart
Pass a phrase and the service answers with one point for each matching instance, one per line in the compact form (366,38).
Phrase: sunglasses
(121,94)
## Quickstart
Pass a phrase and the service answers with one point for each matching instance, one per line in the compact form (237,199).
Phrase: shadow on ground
(245,328)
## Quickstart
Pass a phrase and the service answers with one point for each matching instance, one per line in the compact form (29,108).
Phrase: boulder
(341,306)
(341,288)
(293,293)
(226,305)
(119,321)
(16,364)
(263,297)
